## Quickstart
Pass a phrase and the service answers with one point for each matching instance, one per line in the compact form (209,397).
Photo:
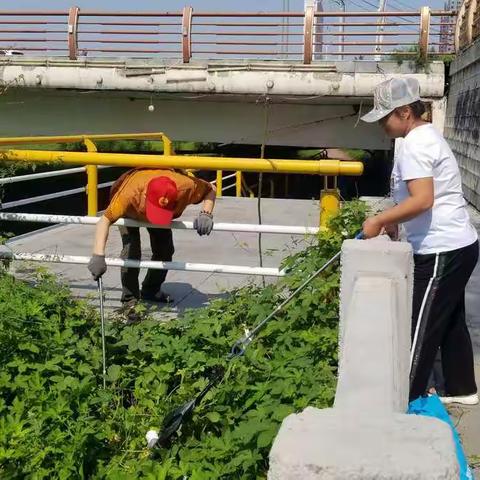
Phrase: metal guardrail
(176,224)
(298,36)
(8,254)
(92,186)
(156,265)
(48,174)
(74,191)
(218,182)
(49,196)
(94,160)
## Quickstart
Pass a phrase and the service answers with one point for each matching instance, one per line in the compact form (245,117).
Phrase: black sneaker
(157,297)
(127,313)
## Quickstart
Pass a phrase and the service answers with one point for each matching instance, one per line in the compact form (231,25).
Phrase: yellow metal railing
(167,143)
(220,179)
(238,184)
(92,170)
(311,167)
(88,141)
(92,181)
(92,158)
(219,183)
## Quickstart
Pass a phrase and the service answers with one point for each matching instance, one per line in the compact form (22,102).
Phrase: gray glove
(97,266)
(203,224)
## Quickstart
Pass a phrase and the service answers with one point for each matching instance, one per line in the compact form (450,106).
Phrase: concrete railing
(367,433)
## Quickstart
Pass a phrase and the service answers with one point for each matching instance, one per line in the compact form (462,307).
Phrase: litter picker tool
(102,328)
(174,420)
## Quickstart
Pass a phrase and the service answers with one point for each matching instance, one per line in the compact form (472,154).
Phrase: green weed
(57,422)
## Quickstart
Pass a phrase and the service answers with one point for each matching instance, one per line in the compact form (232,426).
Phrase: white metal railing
(226,177)
(228,187)
(176,224)
(237,184)
(117,262)
(49,196)
(53,173)
(65,193)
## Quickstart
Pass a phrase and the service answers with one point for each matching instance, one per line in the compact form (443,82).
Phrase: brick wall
(462,124)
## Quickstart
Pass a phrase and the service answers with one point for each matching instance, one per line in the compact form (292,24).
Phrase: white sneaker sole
(463,400)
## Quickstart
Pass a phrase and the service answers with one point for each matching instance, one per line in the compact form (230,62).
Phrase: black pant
(161,243)
(439,321)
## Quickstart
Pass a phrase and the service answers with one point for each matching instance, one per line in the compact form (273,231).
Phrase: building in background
(453,4)
(318,31)
(447,29)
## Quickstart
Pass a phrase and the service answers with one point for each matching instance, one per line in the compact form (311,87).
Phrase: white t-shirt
(446,226)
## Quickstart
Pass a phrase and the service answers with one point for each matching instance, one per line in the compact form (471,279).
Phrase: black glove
(97,266)
(203,224)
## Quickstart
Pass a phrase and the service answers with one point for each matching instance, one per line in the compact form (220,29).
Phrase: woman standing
(427,190)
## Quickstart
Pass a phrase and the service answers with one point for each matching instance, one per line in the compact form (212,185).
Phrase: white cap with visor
(389,95)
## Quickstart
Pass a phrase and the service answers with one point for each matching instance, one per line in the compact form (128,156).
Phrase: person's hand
(97,266)
(372,227)
(391,231)
(203,224)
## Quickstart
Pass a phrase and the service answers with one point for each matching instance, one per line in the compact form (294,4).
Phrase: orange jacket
(129,191)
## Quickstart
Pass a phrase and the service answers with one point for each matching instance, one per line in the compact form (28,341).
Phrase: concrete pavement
(468,418)
(188,289)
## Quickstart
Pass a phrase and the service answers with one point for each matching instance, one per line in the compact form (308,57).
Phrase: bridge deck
(189,289)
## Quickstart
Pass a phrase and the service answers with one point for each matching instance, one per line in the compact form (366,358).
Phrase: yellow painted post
(219,182)
(167,145)
(238,183)
(92,181)
(329,203)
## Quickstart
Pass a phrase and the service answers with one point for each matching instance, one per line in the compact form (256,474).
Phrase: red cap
(161,200)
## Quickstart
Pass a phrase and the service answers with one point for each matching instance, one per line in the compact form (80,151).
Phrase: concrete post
(367,434)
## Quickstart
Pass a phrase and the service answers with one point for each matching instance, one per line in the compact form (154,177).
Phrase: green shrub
(57,422)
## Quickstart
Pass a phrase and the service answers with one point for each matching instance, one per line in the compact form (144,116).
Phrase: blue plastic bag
(431,406)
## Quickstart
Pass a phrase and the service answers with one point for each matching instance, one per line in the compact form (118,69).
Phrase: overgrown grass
(57,422)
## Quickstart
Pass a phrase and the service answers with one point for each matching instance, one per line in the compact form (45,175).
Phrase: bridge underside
(316,105)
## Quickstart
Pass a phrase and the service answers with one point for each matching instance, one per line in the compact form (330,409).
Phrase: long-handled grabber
(174,420)
(102,327)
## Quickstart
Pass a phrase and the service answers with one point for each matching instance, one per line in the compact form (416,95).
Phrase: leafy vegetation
(357,154)
(57,422)
(413,55)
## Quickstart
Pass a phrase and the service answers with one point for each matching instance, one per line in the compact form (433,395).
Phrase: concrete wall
(236,77)
(314,105)
(462,126)
(367,434)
